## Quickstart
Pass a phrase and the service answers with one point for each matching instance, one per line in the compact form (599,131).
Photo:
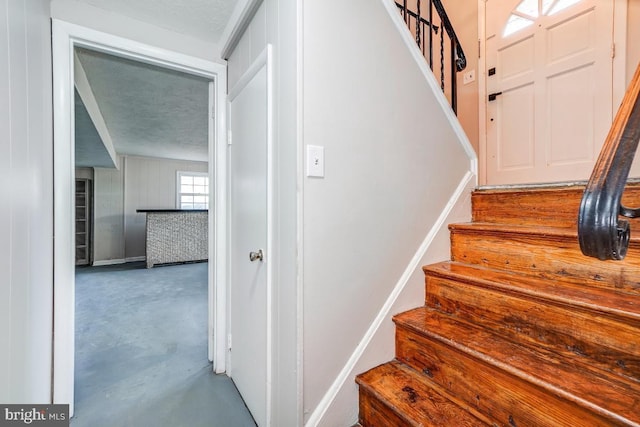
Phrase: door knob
(253,256)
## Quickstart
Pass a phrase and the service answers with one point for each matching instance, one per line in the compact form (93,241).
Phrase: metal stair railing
(421,23)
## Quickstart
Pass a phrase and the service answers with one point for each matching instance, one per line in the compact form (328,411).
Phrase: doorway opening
(66,39)
(141,318)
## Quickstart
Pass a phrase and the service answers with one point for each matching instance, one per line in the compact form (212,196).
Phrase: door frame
(65,38)
(264,60)
(618,84)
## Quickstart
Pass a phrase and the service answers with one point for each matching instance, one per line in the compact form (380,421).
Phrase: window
(193,190)
(528,11)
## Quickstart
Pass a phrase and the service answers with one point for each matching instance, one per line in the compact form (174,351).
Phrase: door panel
(517,59)
(516,142)
(248,218)
(555,81)
(570,92)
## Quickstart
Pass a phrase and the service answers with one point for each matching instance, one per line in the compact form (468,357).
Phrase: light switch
(469,77)
(315,161)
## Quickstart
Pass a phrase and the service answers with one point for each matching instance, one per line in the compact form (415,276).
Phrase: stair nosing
(498,228)
(506,367)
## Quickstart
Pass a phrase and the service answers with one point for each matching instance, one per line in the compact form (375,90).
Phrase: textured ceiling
(149,111)
(202,19)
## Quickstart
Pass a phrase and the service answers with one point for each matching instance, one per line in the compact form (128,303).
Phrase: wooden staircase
(519,328)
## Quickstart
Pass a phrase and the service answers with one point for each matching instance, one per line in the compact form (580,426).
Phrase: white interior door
(550,64)
(249,240)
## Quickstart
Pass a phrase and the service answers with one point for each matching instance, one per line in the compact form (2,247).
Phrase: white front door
(249,240)
(549,64)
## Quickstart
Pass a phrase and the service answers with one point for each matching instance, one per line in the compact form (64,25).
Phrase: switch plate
(469,77)
(315,161)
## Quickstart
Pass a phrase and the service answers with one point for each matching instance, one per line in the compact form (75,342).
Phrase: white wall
(99,19)
(250,46)
(392,163)
(463,15)
(276,23)
(84,173)
(26,218)
(140,183)
(343,410)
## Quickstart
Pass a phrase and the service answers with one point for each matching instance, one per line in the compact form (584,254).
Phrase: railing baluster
(442,60)
(431,34)
(420,27)
(418,24)
(424,32)
(454,75)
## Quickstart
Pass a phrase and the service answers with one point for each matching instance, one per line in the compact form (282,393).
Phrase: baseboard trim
(108,262)
(118,261)
(346,373)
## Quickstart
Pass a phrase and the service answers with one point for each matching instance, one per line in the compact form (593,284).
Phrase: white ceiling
(90,150)
(148,111)
(202,19)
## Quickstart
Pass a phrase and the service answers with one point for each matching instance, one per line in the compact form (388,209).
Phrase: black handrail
(420,24)
(460,58)
(601,231)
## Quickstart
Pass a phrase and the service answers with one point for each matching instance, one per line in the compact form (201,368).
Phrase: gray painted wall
(108,211)
(84,173)
(140,182)
(26,217)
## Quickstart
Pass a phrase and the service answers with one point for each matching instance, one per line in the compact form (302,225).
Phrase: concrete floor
(141,350)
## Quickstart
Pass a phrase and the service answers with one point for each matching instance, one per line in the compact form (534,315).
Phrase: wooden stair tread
(598,300)
(412,397)
(606,396)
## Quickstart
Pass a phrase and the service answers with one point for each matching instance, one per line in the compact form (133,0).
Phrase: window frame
(179,193)
(552,8)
